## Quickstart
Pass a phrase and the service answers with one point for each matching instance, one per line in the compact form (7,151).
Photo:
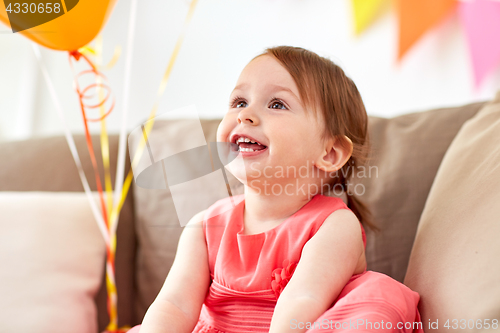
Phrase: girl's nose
(248,117)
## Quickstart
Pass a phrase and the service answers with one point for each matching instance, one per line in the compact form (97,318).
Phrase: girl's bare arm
(327,262)
(177,306)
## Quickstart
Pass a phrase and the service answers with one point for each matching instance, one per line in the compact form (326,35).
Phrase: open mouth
(248,145)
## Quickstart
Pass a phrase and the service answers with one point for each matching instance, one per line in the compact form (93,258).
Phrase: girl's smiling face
(265,107)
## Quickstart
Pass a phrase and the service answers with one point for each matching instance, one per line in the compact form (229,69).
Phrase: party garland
(480,19)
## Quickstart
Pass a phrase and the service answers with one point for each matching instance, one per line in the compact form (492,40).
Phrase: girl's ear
(336,153)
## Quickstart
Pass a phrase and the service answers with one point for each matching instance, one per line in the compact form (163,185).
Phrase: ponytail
(354,203)
(361,211)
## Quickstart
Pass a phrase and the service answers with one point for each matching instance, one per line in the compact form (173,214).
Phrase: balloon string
(72,145)
(112,219)
(112,299)
(76,55)
(150,121)
(111,246)
(104,133)
(149,126)
(122,139)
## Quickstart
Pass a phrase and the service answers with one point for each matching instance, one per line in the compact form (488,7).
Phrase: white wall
(224,35)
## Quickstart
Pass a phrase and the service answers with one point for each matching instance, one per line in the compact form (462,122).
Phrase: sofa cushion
(52,256)
(407,151)
(46,164)
(454,264)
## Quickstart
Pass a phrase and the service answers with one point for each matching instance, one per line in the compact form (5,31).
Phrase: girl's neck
(260,208)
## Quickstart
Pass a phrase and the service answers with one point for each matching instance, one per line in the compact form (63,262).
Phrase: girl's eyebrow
(273,88)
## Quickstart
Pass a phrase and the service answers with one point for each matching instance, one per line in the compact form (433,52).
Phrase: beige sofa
(438,177)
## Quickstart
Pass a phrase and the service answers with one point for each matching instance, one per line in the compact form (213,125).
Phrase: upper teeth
(243,139)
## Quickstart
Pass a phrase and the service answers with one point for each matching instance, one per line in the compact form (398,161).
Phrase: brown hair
(325,87)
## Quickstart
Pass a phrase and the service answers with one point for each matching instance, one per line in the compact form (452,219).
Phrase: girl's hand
(328,261)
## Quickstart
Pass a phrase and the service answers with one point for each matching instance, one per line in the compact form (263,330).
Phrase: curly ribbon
(110,263)
(104,93)
(83,94)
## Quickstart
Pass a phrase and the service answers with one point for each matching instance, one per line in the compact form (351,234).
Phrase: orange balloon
(70,24)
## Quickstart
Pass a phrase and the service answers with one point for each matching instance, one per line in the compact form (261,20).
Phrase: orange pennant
(416,17)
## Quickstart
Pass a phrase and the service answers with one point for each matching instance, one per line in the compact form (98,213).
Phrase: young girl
(285,258)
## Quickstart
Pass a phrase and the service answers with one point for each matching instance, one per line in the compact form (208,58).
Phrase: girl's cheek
(223,134)
(220,132)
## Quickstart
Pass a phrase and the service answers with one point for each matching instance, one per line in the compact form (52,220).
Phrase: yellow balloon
(64,25)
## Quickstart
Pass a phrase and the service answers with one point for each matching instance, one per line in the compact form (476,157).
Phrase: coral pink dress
(249,272)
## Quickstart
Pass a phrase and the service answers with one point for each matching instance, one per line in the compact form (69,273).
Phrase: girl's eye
(240,104)
(277,104)
(237,102)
